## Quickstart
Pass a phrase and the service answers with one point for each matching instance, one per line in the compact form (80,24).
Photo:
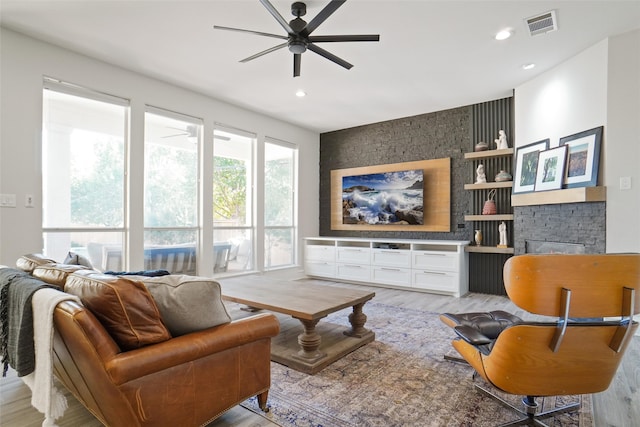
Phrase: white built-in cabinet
(439,266)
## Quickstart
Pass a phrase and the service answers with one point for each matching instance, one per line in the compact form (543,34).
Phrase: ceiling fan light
(300,93)
(297,46)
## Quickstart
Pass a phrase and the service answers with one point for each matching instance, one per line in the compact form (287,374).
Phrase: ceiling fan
(191,131)
(299,37)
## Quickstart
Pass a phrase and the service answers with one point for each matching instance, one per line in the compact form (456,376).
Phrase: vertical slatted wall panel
(485,269)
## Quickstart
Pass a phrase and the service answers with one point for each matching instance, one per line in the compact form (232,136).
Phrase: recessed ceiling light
(300,93)
(504,34)
(528,66)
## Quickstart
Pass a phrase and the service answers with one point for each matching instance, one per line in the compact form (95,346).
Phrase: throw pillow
(55,274)
(187,303)
(125,307)
(77,259)
(29,262)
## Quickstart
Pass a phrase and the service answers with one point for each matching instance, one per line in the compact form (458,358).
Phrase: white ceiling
(432,55)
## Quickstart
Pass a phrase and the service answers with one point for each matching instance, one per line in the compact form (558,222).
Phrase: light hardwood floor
(619,406)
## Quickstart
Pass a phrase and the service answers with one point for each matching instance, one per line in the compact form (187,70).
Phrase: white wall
(23,63)
(598,87)
(623,142)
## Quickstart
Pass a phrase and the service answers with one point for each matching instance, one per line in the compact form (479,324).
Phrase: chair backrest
(567,356)
(597,282)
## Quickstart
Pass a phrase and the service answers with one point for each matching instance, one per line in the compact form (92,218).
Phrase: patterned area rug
(401,379)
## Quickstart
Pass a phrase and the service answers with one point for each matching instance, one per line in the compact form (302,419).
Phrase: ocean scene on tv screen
(383,198)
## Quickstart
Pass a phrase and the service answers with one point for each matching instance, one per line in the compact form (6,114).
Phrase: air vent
(543,23)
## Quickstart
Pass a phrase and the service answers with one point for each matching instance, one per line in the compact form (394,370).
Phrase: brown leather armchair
(187,380)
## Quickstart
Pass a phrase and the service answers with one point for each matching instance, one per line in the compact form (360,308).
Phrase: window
(83,170)
(171,191)
(233,225)
(279,206)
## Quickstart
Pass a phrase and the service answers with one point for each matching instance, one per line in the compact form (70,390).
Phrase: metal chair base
(530,416)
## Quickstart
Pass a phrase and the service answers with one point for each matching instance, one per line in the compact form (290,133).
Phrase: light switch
(8,200)
(625,183)
(28,201)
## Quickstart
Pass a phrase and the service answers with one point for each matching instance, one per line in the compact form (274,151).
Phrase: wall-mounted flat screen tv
(383,198)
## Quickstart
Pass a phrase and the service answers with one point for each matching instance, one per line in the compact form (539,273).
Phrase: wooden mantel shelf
(554,197)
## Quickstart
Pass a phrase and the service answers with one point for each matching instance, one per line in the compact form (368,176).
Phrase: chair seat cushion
(489,324)
(187,303)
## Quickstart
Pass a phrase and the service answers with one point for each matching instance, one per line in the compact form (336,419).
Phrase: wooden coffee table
(318,345)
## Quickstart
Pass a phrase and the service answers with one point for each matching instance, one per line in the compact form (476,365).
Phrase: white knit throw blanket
(45,397)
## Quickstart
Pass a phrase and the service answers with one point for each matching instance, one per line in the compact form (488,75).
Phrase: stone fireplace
(560,228)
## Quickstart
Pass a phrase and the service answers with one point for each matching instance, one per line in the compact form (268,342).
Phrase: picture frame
(526,159)
(583,158)
(551,168)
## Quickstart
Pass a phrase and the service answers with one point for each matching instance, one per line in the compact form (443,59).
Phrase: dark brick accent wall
(427,136)
(581,223)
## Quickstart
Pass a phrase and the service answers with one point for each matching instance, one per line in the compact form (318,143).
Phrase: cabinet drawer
(354,255)
(439,261)
(391,257)
(436,281)
(391,276)
(320,253)
(361,273)
(320,268)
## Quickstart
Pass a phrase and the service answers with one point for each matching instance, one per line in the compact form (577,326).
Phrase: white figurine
(480,175)
(503,235)
(501,142)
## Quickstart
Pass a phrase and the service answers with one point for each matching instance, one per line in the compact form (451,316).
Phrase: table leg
(309,341)
(357,320)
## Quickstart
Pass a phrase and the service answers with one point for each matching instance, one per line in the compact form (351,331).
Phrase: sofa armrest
(133,364)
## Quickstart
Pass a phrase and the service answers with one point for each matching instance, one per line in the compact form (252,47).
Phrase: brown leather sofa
(186,380)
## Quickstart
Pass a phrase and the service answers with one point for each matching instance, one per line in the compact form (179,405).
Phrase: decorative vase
(489,207)
(478,237)
(481,146)
(503,176)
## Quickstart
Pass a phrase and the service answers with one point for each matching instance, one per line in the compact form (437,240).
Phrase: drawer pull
(392,252)
(434,254)
(353,265)
(434,272)
(389,269)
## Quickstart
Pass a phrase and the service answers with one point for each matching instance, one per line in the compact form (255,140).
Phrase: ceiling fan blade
(264,52)
(259,33)
(346,38)
(297,58)
(322,16)
(173,136)
(329,56)
(272,10)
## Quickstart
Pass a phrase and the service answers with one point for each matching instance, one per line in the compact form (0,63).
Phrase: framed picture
(524,179)
(550,173)
(583,158)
